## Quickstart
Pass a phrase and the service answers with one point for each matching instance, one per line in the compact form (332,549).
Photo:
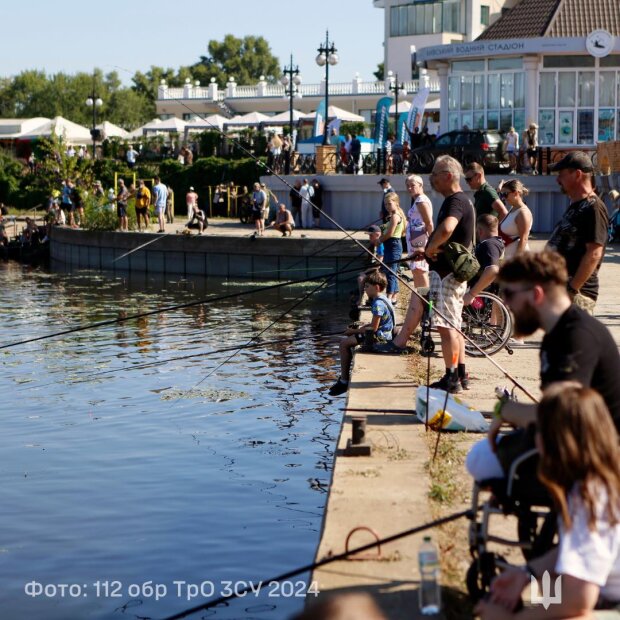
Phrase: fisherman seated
(284,221)
(381,328)
(197,220)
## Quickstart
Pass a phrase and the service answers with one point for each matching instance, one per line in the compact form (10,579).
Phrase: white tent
(11,128)
(170,125)
(403,106)
(334,112)
(252,118)
(71,132)
(214,121)
(110,130)
(284,118)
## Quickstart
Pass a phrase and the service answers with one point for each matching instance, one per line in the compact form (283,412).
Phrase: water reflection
(156,473)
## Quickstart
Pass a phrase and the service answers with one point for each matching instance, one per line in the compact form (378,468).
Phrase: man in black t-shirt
(489,252)
(455,222)
(576,347)
(581,235)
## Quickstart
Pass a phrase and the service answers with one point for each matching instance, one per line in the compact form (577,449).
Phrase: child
(376,247)
(382,325)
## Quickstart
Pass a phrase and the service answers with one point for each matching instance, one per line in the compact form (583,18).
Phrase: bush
(98,216)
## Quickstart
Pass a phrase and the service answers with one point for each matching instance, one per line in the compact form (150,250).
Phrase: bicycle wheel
(488,323)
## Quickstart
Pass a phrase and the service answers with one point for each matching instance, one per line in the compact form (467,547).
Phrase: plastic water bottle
(430,590)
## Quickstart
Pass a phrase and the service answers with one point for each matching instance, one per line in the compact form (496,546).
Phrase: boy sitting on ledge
(381,326)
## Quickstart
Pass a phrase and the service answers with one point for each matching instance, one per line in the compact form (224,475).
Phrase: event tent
(170,125)
(334,112)
(284,118)
(71,132)
(247,120)
(110,130)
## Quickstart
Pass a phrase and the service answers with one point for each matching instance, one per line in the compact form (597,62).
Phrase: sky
(131,35)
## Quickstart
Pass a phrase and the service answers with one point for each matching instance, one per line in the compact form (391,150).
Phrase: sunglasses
(468,179)
(508,294)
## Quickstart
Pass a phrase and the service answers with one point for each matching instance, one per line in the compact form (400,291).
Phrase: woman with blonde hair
(419,227)
(391,233)
(515,228)
(579,465)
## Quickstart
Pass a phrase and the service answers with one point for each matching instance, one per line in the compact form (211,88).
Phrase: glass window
(585,89)
(561,62)
(467,66)
(507,90)
(493,91)
(402,20)
(567,129)
(546,130)
(503,64)
(452,16)
(453,93)
(519,90)
(479,92)
(484,15)
(607,88)
(493,120)
(519,121)
(505,120)
(478,120)
(467,120)
(566,88)
(467,92)
(446,140)
(613,60)
(411,14)
(394,21)
(453,121)
(585,126)
(429,22)
(438,17)
(546,97)
(606,125)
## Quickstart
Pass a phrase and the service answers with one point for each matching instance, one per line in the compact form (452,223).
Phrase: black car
(482,146)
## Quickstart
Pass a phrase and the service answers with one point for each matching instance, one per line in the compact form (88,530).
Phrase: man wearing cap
(581,235)
(387,189)
(191,200)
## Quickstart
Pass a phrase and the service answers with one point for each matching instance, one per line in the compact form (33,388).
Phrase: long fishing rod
(329,560)
(406,284)
(189,304)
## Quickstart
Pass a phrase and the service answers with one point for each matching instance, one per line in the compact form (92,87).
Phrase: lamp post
(327,56)
(291,80)
(94,102)
(397,88)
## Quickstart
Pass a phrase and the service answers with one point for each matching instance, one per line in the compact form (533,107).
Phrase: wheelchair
(487,322)
(521,495)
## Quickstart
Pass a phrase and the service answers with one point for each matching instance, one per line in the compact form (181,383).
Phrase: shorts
(141,210)
(160,209)
(257,216)
(121,210)
(532,152)
(585,303)
(447,295)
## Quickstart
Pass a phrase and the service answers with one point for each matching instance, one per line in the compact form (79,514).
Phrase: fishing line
(329,560)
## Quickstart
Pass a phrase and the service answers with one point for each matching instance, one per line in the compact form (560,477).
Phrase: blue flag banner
(319,119)
(401,134)
(382,118)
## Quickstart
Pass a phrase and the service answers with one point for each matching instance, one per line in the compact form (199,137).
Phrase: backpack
(463,263)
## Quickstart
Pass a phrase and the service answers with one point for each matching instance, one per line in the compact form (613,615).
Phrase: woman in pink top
(419,227)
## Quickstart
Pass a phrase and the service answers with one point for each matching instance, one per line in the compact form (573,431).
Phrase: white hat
(191,189)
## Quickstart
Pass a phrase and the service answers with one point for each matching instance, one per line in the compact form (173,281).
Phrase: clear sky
(132,35)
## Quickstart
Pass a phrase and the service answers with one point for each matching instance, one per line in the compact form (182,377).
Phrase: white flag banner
(416,112)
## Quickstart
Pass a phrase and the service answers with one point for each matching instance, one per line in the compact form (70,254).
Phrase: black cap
(576,160)
(373,229)
(382,181)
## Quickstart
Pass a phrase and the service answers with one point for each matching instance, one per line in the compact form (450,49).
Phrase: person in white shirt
(579,465)
(307,193)
(160,196)
(512,148)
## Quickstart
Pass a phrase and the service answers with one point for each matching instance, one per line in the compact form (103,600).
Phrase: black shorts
(121,209)
(142,210)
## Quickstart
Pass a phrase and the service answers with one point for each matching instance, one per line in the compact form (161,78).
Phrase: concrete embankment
(389,491)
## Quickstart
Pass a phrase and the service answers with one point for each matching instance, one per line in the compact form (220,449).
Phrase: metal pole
(94,124)
(396,109)
(326,87)
(290,109)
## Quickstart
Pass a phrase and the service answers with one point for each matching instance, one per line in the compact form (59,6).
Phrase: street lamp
(396,88)
(327,56)
(94,102)
(291,80)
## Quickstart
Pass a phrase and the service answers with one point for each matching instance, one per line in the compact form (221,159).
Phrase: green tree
(244,59)
(380,72)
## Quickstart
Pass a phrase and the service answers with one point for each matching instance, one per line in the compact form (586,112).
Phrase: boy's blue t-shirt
(380,250)
(383,308)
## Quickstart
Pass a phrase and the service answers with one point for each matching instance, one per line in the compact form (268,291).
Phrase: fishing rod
(406,284)
(189,304)
(469,513)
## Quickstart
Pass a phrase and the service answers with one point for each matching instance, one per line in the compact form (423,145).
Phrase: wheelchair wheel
(488,323)
(480,573)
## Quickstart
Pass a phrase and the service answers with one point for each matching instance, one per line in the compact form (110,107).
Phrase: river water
(119,479)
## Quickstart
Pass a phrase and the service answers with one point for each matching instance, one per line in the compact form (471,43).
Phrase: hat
(373,229)
(382,181)
(576,160)
(191,189)
(533,126)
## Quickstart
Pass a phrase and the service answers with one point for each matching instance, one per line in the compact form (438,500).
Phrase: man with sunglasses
(581,235)
(575,347)
(486,199)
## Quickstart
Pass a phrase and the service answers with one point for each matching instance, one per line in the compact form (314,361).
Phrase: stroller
(522,495)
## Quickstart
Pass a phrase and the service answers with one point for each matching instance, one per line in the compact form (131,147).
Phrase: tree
(244,59)
(380,72)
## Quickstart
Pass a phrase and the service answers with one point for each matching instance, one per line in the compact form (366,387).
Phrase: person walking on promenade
(143,202)
(122,195)
(581,235)
(515,228)
(307,193)
(575,347)
(419,228)
(512,149)
(296,202)
(455,222)
(317,201)
(160,200)
(530,145)
(387,188)
(259,199)
(486,199)
(191,201)
(392,232)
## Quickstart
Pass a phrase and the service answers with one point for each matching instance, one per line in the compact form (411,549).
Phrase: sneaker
(340,387)
(448,383)
(388,347)
(464,381)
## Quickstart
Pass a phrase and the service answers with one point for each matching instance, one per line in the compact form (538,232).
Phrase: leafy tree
(380,72)
(244,59)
